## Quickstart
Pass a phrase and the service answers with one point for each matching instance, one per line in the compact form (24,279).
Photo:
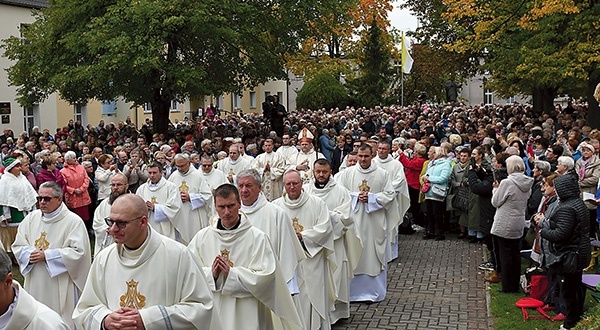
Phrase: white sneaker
(417,228)
(562,327)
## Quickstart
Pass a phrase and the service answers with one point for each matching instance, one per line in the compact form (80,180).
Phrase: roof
(27,3)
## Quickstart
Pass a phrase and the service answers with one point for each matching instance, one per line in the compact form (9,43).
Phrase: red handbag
(425,187)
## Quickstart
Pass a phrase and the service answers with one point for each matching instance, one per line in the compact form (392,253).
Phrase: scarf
(584,165)
(17,192)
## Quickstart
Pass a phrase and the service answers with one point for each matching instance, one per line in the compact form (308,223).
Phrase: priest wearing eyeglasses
(145,280)
(53,251)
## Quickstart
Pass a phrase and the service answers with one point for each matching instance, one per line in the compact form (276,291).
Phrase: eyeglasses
(120,224)
(45,198)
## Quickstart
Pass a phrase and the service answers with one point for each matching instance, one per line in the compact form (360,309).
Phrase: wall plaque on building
(4,108)
(5,119)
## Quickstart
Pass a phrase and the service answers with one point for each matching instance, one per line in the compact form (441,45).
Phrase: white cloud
(402,19)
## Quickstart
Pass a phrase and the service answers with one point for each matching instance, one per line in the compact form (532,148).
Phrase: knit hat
(10,162)
(587,145)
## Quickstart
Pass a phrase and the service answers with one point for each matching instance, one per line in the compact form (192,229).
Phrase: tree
(374,67)
(332,43)
(537,48)
(323,91)
(157,51)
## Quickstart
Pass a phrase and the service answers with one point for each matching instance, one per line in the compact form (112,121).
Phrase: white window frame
(30,114)
(252,100)
(80,113)
(175,106)
(147,107)
(488,97)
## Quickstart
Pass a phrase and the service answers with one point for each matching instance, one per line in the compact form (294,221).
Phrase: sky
(402,19)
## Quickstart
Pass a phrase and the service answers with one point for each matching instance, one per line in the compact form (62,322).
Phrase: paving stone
(432,285)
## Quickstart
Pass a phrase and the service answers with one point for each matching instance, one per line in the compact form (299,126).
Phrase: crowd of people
(288,226)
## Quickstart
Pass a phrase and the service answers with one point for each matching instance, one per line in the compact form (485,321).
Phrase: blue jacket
(439,172)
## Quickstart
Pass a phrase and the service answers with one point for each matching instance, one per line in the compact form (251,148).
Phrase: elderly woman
(49,172)
(588,170)
(510,200)
(77,181)
(105,171)
(16,200)
(565,164)
(26,171)
(160,157)
(412,168)
(135,170)
(437,175)
(566,231)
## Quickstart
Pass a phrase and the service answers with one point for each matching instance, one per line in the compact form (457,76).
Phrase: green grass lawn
(508,317)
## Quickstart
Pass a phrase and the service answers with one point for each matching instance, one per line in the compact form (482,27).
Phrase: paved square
(432,285)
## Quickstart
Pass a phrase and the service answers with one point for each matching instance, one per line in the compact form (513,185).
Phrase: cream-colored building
(55,112)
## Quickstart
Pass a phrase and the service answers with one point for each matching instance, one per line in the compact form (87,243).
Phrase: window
(148,107)
(253,100)
(488,96)
(267,94)
(237,101)
(31,118)
(511,100)
(109,107)
(174,106)
(80,113)
(280,97)
(23,29)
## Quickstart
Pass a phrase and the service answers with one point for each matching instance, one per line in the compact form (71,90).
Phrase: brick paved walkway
(432,285)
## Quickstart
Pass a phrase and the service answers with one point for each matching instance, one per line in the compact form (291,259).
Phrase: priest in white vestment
(270,166)
(119,185)
(162,201)
(372,204)
(145,280)
(196,198)
(243,154)
(242,270)
(396,170)
(233,164)
(348,248)
(213,176)
(53,251)
(307,156)
(287,150)
(272,220)
(310,219)
(18,309)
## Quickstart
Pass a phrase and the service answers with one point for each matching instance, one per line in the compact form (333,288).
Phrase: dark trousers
(435,217)
(571,293)
(510,263)
(415,207)
(491,242)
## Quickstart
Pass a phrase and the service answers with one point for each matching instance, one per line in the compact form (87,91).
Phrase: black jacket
(569,225)
(535,198)
(480,183)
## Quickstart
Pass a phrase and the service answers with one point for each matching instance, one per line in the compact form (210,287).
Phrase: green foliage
(375,69)
(323,91)
(157,51)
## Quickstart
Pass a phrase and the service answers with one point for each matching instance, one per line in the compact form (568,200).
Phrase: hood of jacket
(566,187)
(522,181)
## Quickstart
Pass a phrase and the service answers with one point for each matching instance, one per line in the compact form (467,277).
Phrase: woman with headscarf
(588,170)
(17,199)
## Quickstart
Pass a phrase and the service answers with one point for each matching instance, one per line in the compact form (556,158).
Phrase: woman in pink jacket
(77,181)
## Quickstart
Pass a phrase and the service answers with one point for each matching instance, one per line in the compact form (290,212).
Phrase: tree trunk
(161,108)
(593,116)
(543,99)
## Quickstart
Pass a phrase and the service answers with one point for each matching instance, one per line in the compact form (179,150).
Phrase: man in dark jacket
(567,230)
